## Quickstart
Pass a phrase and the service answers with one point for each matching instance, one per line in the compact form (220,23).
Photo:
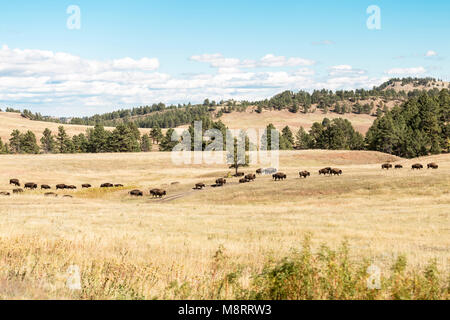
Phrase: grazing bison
(417,166)
(304,174)
(30,185)
(398,166)
(325,171)
(250,177)
(86,186)
(15,182)
(259,171)
(239,174)
(243,180)
(136,193)
(5,193)
(386,166)
(279,176)
(45,187)
(158,193)
(50,194)
(221,181)
(336,172)
(71,187)
(107,185)
(199,186)
(432,166)
(61,186)
(17,191)
(118,185)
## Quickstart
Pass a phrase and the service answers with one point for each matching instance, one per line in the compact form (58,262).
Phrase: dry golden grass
(138,248)
(10,121)
(280,119)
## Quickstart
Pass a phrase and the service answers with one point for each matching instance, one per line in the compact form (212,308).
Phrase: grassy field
(10,121)
(219,242)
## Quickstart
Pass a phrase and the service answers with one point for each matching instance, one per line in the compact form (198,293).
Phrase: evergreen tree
(166,143)
(236,158)
(28,143)
(286,139)
(63,142)
(146,145)
(266,139)
(47,141)
(304,141)
(156,134)
(98,139)
(80,143)
(123,139)
(15,141)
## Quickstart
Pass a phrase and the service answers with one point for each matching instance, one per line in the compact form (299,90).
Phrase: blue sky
(130,53)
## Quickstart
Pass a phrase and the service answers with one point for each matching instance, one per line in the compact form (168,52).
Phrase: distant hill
(295,109)
(10,121)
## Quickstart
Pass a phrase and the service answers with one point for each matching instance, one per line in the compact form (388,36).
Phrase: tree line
(418,127)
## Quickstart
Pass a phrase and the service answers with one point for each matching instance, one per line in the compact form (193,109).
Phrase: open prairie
(145,248)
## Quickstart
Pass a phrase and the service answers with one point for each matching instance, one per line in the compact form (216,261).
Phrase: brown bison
(432,165)
(199,186)
(50,194)
(158,193)
(221,181)
(417,166)
(279,176)
(71,187)
(250,177)
(398,166)
(107,185)
(239,174)
(386,166)
(5,193)
(136,193)
(45,187)
(336,172)
(118,185)
(30,185)
(86,186)
(61,186)
(304,174)
(17,191)
(15,182)
(243,180)
(325,171)
(67,196)
(259,171)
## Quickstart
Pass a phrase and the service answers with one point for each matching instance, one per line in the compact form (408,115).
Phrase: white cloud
(406,71)
(431,53)
(217,60)
(64,84)
(345,69)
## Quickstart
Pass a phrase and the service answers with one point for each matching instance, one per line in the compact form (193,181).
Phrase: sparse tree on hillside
(47,141)
(15,141)
(146,145)
(28,143)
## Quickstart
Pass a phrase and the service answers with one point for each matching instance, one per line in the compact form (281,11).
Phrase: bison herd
(416,166)
(159,193)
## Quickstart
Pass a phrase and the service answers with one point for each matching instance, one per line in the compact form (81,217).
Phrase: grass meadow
(295,239)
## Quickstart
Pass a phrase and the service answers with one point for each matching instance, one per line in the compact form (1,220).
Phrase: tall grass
(32,268)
